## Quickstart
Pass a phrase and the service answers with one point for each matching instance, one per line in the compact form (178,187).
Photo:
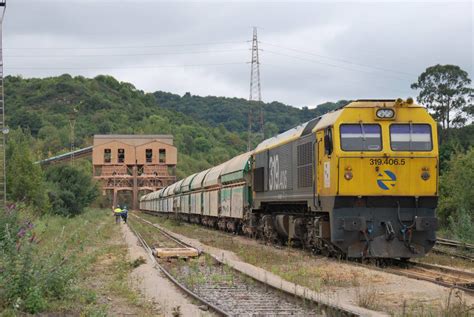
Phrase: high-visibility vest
(118,210)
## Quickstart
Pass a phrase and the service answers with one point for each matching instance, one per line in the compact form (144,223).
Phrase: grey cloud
(396,41)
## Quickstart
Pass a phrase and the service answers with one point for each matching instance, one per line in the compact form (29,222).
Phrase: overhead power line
(346,61)
(125,46)
(125,55)
(126,67)
(330,65)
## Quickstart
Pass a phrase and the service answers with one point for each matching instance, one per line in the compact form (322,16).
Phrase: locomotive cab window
(328,141)
(410,137)
(361,137)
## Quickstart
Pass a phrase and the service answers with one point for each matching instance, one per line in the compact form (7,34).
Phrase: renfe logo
(386,181)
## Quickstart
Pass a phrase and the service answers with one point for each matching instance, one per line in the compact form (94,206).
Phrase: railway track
(444,276)
(228,292)
(441,275)
(454,248)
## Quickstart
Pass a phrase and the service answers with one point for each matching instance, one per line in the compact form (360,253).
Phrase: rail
(333,309)
(441,275)
(444,276)
(171,278)
(454,248)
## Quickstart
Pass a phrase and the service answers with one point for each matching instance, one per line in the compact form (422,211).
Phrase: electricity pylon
(255,89)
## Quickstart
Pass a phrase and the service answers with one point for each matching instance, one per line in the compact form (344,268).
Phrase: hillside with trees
(233,112)
(106,106)
(206,130)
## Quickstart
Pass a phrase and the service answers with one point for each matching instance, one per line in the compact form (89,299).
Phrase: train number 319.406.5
(387,161)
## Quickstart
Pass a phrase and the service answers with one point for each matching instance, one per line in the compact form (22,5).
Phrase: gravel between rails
(229,292)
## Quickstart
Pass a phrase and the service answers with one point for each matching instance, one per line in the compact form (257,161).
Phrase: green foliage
(456,203)
(445,90)
(71,189)
(24,178)
(233,112)
(29,279)
(461,225)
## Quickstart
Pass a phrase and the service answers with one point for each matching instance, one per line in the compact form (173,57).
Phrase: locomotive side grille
(305,167)
(304,176)
(305,153)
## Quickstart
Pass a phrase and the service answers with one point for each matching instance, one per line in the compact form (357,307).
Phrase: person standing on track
(117,213)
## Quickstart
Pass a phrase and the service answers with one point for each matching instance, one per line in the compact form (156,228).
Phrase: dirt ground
(154,286)
(341,281)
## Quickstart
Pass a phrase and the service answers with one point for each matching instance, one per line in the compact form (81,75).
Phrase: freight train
(358,182)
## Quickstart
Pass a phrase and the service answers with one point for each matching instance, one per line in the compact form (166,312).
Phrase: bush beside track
(64,266)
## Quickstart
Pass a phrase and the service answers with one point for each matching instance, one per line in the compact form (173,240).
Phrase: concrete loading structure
(133,164)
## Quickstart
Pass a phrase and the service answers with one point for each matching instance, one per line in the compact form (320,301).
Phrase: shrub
(70,189)
(461,225)
(456,203)
(28,280)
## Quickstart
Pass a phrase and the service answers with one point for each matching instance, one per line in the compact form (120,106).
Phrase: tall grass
(39,263)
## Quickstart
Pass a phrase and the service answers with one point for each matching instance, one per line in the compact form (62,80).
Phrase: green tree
(70,189)
(456,201)
(445,90)
(25,181)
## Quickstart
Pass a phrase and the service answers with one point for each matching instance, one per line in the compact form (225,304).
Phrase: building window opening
(162,156)
(148,155)
(121,155)
(107,155)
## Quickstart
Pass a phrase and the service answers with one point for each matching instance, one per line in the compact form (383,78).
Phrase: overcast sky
(311,52)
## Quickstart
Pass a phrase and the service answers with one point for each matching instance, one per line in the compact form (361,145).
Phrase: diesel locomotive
(357,182)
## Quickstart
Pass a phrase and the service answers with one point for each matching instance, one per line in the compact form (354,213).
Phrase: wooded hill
(233,112)
(207,130)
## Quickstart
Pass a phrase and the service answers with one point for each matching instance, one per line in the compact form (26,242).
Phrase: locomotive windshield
(410,137)
(361,137)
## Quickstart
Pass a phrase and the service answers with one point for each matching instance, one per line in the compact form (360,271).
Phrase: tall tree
(445,90)
(24,178)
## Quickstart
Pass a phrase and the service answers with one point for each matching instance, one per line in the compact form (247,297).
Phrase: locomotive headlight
(348,173)
(425,174)
(385,113)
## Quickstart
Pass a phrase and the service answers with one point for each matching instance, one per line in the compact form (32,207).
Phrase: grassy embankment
(61,265)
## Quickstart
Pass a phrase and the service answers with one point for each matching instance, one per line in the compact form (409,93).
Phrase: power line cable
(124,55)
(127,67)
(353,82)
(330,65)
(340,59)
(122,47)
